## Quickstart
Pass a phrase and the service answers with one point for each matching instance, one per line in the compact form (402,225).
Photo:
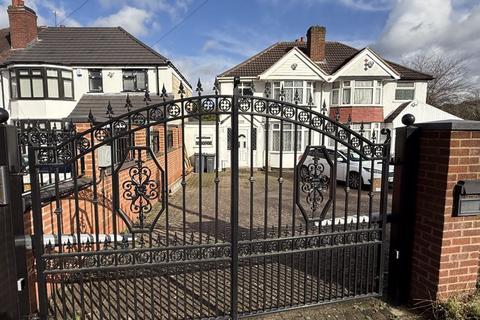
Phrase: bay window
(303,88)
(356,92)
(41,83)
(405,91)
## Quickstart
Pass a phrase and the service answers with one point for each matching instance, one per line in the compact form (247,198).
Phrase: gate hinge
(24,241)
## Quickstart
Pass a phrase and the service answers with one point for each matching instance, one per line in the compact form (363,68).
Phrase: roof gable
(294,64)
(366,63)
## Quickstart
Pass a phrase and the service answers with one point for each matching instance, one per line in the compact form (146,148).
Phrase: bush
(466,307)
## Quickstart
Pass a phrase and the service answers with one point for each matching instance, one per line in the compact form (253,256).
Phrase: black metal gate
(303,228)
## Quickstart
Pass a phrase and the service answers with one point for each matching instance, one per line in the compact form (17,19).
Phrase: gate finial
(199,87)
(181,89)
(91,118)
(216,86)
(164,94)
(266,92)
(128,103)
(147,98)
(109,112)
(3,115)
(282,93)
(296,97)
(324,108)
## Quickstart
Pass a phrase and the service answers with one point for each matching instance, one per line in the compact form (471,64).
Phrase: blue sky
(205,37)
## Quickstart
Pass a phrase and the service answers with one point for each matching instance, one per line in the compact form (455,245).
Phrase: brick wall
(358,114)
(23,25)
(446,249)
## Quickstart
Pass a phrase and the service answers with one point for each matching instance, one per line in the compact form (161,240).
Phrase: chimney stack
(23,24)
(316,43)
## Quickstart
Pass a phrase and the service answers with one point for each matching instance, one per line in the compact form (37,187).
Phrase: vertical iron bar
(234,202)
(38,233)
(383,207)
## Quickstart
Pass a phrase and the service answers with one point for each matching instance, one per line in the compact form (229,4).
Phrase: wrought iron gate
(303,224)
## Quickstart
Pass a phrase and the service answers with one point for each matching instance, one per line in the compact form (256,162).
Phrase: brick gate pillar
(445,249)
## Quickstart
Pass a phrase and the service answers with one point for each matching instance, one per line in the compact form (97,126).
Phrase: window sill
(356,105)
(36,99)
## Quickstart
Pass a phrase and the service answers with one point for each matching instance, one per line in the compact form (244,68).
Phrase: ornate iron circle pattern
(313,182)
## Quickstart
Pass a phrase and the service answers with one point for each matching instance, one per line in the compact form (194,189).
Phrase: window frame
(307,90)
(44,76)
(412,88)
(90,71)
(350,85)
(135,71)
(302,137)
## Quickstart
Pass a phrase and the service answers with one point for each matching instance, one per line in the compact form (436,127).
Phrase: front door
(243,147)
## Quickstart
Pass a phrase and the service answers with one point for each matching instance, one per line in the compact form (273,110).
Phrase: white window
(303,88)
(288,137)
(335,92)
(357,92)
(405,91)
(363,92)
(368,130)
(246,88)
(347,92)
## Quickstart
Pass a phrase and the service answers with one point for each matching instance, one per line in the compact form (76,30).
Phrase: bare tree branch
(452,83)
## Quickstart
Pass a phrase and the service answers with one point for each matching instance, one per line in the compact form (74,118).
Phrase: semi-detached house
(353,84)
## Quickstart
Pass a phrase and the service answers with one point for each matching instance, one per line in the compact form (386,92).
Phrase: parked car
(356,177)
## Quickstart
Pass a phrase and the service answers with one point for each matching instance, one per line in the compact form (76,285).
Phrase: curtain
(363,96)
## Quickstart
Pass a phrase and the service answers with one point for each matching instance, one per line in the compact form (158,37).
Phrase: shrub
(462,307)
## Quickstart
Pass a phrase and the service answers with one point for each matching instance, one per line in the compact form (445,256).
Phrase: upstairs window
(335,92)
(135,80)
(95,80)
(405,91)
(303,88)
(357,92)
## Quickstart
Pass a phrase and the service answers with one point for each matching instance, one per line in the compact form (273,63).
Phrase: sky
(205,37)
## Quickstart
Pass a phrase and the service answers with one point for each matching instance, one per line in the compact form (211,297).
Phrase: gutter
(3,90)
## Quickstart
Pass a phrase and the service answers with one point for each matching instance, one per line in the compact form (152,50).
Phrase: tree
(452,82)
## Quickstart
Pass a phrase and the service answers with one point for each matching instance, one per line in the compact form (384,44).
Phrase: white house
(355,84)
(45,71)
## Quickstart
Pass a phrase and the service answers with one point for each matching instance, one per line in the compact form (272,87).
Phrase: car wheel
(354,180)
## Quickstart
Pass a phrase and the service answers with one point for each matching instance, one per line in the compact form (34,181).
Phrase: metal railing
(44,132)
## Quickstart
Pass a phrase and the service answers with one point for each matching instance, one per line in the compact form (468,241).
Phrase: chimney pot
(316,43)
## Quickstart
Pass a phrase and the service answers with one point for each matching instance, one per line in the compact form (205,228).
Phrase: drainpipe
(158,83)
(3,90)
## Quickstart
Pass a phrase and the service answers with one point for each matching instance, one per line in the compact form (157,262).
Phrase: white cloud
(174,8)
(363,5)
(134,20)
(451,29)
(204,66)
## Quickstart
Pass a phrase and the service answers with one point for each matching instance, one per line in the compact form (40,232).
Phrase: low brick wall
(446,248)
